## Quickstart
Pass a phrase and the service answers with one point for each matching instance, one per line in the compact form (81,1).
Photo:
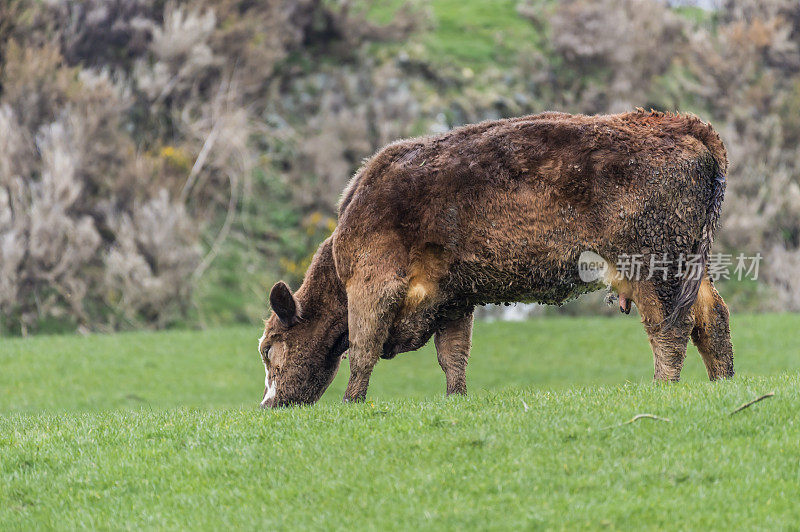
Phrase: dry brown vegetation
(129,131)
(163,163)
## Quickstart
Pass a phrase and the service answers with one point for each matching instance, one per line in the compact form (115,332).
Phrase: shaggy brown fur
(500,212)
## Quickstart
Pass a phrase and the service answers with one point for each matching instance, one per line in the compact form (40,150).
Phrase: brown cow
(498,212)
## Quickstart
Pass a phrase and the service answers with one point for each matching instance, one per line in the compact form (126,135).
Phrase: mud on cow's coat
(500,212)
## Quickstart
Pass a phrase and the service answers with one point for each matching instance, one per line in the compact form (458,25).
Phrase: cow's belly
(429,306)
(550,281)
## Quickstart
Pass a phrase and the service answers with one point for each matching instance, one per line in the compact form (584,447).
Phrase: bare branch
(635,418)
(751,403)
(223,232)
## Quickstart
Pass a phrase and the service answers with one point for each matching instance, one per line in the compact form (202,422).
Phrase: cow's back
(503,209)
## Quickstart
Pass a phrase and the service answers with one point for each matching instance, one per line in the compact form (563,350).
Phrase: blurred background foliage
(163,163)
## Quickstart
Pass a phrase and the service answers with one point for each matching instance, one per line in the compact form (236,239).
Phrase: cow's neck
(322,295)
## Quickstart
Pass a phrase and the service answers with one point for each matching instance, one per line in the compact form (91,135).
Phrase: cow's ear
(283,303)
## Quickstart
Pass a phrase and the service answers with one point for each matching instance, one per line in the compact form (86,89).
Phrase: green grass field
(161,430)
(472,34)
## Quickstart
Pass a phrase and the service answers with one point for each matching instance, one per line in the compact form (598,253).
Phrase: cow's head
(301,347)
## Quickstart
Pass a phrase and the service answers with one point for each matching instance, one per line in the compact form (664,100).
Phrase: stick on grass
(751,403)
(635,418)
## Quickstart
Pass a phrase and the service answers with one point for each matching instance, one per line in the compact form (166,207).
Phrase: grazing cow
(501,211)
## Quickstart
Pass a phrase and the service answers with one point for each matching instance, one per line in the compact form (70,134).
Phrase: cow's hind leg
(711,332)
(668,341)
(372,303)
(453,342)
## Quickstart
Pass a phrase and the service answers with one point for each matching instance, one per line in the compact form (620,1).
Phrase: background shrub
(163,163)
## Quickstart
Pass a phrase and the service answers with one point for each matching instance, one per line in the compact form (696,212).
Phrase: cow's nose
(268,403)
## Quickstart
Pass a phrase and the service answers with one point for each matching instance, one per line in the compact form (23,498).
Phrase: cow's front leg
(453,342)
(371,307)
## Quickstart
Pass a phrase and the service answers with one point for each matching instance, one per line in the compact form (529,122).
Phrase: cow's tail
(690,285)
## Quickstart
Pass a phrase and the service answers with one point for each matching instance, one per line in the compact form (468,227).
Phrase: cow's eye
(268,352)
